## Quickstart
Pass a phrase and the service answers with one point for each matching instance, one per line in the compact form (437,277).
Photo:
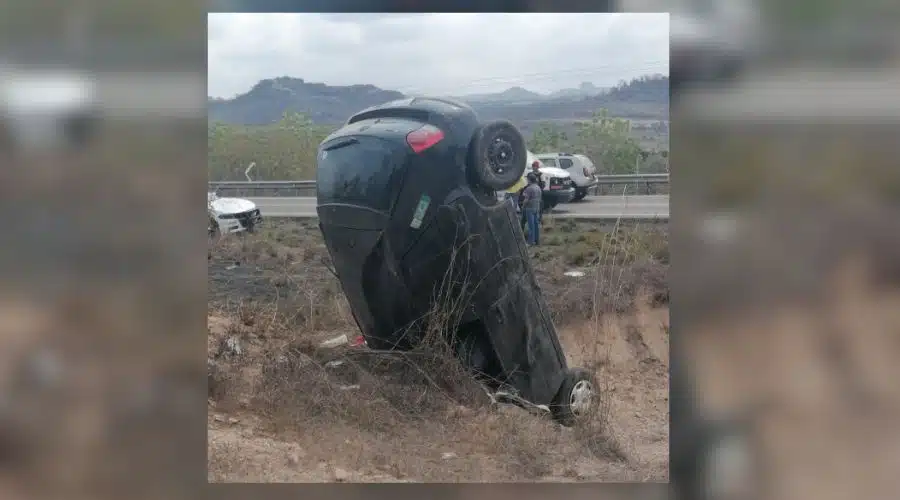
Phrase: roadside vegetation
(286,150)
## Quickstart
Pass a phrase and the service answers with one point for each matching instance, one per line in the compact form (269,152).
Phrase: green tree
(285,150)
(607,141)
(548,138)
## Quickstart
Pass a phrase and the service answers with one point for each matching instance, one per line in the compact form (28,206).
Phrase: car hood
(554,172)
(231,205)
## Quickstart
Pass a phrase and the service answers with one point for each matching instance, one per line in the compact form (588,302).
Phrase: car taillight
(423,138)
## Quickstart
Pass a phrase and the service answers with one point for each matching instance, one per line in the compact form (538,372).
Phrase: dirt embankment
(282,410)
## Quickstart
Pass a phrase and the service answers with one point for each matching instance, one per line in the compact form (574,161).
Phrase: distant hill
(643,98)
(268,100)
(586,89)
(514,94)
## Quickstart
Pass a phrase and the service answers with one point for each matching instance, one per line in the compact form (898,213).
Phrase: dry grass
(419,415)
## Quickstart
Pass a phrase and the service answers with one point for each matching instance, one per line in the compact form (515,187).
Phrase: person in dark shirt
(531,208)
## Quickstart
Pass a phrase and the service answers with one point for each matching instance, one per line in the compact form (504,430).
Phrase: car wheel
(549,206)
(576,397)
(497,155)
(579,195)
(212,227)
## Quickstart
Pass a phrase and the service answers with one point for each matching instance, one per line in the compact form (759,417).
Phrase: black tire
(212,227)
(497,155)
(579,195)
(548,206)
(570,404)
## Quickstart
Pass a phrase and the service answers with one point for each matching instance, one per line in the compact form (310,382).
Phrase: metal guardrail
(307,188)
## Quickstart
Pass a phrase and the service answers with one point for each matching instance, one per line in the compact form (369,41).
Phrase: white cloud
(450,54)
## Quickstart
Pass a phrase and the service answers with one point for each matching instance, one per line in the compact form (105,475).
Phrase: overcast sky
(447,54)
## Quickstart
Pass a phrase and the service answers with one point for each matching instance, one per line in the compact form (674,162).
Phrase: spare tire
(497,155)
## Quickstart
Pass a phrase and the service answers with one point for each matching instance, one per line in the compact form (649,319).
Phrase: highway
(592,208)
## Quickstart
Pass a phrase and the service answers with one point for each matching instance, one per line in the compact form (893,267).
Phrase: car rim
(499,154)
(581,397)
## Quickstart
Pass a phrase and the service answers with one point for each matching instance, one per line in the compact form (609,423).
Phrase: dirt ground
(283,410)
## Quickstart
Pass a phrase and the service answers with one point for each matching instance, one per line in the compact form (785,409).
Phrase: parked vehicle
(580,167)
(558,186)
(231,215)
(407,203)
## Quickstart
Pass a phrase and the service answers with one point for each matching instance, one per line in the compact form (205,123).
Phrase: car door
(568,165)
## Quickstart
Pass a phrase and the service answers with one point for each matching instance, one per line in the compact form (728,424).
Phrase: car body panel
(580,163)
(429,236)
(550,196)
(233,215)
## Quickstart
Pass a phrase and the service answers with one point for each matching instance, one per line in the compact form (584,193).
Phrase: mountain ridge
(266,102)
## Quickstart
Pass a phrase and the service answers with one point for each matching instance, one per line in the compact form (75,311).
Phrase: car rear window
(358,170)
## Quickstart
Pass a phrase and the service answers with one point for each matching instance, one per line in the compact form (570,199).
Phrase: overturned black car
(408,208)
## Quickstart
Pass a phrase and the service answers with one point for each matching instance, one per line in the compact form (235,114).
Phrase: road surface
(593,207)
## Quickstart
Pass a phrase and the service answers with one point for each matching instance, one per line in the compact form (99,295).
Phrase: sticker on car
(419,215)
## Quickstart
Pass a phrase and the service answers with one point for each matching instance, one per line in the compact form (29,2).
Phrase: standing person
(531,207)
(536,170)
(520,200)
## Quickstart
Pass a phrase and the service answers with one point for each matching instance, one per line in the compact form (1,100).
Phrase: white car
(46,108)
(558,186)
(580,167)
(231,215)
